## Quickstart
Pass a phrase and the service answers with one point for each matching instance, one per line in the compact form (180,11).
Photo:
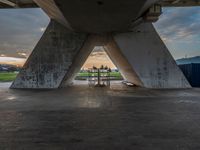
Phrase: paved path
(83,118)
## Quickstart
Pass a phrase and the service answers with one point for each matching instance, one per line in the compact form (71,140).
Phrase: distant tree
(102,67)
(109,70)
(106,67)
(94,67)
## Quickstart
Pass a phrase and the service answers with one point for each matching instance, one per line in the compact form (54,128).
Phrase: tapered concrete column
(51,59)
(150,58)
(120,61)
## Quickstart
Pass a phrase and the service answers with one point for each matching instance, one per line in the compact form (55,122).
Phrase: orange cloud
(98,58)
(12,61)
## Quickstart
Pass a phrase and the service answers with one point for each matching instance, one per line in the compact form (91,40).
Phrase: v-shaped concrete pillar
(152,63)
(51,59)
(140,55)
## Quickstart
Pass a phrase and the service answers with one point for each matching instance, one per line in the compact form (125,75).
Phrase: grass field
(6,77)
(84,75)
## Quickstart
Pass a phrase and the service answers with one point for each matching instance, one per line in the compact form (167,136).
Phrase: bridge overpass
(32,4)
(124,28)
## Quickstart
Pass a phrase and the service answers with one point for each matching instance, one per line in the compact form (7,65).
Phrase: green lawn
(6,77)
(84,75)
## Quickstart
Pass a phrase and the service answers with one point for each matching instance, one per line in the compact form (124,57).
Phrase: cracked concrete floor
(83,118)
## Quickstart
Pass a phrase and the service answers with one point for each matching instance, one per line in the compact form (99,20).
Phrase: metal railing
(98,77)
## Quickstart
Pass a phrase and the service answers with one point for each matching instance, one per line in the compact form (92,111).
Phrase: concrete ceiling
(32,4)
(17,4)
(179,3)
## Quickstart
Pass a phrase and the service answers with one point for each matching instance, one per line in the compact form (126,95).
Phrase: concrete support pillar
(150,58)
(51,59)
(121,62)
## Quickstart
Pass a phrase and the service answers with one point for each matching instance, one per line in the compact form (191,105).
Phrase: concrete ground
(83,118)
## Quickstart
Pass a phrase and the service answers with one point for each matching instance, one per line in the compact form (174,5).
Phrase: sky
(21,29)
(97,57)
(179,28)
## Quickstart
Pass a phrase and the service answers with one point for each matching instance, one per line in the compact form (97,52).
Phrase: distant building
(8,68)
(3,69)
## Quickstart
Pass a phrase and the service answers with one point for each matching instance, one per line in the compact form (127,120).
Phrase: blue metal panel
(192,73)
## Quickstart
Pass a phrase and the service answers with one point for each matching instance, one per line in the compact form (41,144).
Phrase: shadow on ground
(83,118)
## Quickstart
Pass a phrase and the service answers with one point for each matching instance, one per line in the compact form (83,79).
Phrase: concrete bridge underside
(123,28)
(32,4)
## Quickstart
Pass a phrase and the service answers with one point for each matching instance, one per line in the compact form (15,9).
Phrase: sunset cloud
(97,58)
(20,30)
(12,61)
(179,29)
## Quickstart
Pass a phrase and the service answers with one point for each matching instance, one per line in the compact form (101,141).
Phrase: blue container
(192,73)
